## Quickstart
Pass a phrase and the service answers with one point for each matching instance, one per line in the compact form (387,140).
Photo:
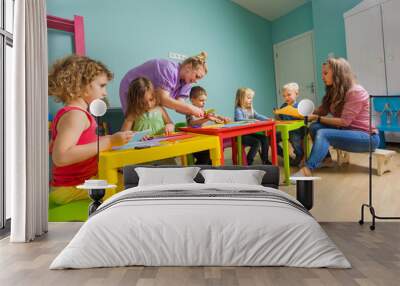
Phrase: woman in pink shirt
(348,126)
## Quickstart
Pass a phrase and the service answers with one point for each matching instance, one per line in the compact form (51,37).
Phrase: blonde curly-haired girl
(76,81)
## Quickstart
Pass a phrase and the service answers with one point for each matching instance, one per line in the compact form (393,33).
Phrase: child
(144,110)
(198,97)
(77,81)
(244,111)
(290,93)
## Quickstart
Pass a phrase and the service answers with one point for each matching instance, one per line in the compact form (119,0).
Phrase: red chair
(228,144)
(72,26)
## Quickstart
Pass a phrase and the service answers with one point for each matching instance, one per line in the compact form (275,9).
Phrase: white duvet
(188,231)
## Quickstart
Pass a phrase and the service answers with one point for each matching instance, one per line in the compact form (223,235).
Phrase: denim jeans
(255,141)
(343,139)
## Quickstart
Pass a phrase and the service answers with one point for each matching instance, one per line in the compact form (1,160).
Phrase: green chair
(284,129)
(73,211)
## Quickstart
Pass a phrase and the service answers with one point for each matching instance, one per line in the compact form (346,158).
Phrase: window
(6,44)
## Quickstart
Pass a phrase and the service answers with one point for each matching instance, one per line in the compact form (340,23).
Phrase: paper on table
(132,145)
(239,123)
(289,110)
(138,135)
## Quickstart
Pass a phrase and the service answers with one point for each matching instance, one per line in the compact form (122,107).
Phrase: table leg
(286,162)
(216,157)
(272,142)
(239,151)
(307,146)
(221,152)
(184,160)
(234,150)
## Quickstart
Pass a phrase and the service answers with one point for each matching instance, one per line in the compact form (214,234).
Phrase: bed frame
(304,189)
(270,179)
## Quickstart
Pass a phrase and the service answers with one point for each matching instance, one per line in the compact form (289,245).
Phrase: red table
(267,126)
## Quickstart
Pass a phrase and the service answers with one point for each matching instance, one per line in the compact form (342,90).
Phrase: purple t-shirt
(162,73)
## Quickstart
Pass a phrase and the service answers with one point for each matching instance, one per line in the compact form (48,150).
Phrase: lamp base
(96,195)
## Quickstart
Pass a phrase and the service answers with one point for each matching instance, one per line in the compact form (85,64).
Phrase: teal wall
(329,33)
(125,33)
(292,24)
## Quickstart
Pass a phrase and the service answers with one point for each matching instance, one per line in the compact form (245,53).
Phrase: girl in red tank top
(77,81)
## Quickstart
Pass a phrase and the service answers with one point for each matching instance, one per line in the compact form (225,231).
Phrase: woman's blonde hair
(70,76)
(136,103)
(197,61)
(293,86)
(342,80)
(240,95)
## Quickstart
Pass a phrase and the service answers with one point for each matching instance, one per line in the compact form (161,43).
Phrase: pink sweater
(355,111)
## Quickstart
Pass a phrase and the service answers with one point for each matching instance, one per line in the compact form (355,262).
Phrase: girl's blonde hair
(293,86)
(70,76)
(343,79)
(240,95)
(136,103)
(197,61)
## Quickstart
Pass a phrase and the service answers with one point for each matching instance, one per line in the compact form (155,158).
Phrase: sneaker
(267,162)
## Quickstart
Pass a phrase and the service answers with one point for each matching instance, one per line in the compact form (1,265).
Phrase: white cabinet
(373,45)
(391,30)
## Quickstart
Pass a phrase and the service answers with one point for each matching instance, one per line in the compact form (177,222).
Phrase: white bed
(221,225)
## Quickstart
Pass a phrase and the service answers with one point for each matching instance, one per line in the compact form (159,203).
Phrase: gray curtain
(26,124)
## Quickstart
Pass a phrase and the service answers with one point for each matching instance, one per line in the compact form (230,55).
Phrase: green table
(284,127)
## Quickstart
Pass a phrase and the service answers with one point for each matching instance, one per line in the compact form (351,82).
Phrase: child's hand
(121,138)
(227,119)
(198,112)
(209,116)
(212,117)
(312,117)
(147,137)
(169,128)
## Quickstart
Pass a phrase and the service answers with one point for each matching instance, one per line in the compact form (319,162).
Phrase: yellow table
(284,127)
(110,161)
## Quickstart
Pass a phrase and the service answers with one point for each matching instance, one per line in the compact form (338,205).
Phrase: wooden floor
(374,255)
(341,191)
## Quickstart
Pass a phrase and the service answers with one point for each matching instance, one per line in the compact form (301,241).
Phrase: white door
(391,32)
(365,49)
(294,62)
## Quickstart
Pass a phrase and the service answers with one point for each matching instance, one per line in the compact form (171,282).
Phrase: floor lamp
(369,205)
(305,185)
(96,188)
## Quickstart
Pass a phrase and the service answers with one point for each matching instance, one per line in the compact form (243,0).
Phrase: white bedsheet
(200,231)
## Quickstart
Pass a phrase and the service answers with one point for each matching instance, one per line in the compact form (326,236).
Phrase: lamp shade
(306,107)
(98,107)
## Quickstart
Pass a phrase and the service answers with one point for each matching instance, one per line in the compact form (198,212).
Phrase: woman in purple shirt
(348,126)
(172,81)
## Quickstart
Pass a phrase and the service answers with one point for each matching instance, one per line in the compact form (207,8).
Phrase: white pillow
(166,176)
(248,177)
